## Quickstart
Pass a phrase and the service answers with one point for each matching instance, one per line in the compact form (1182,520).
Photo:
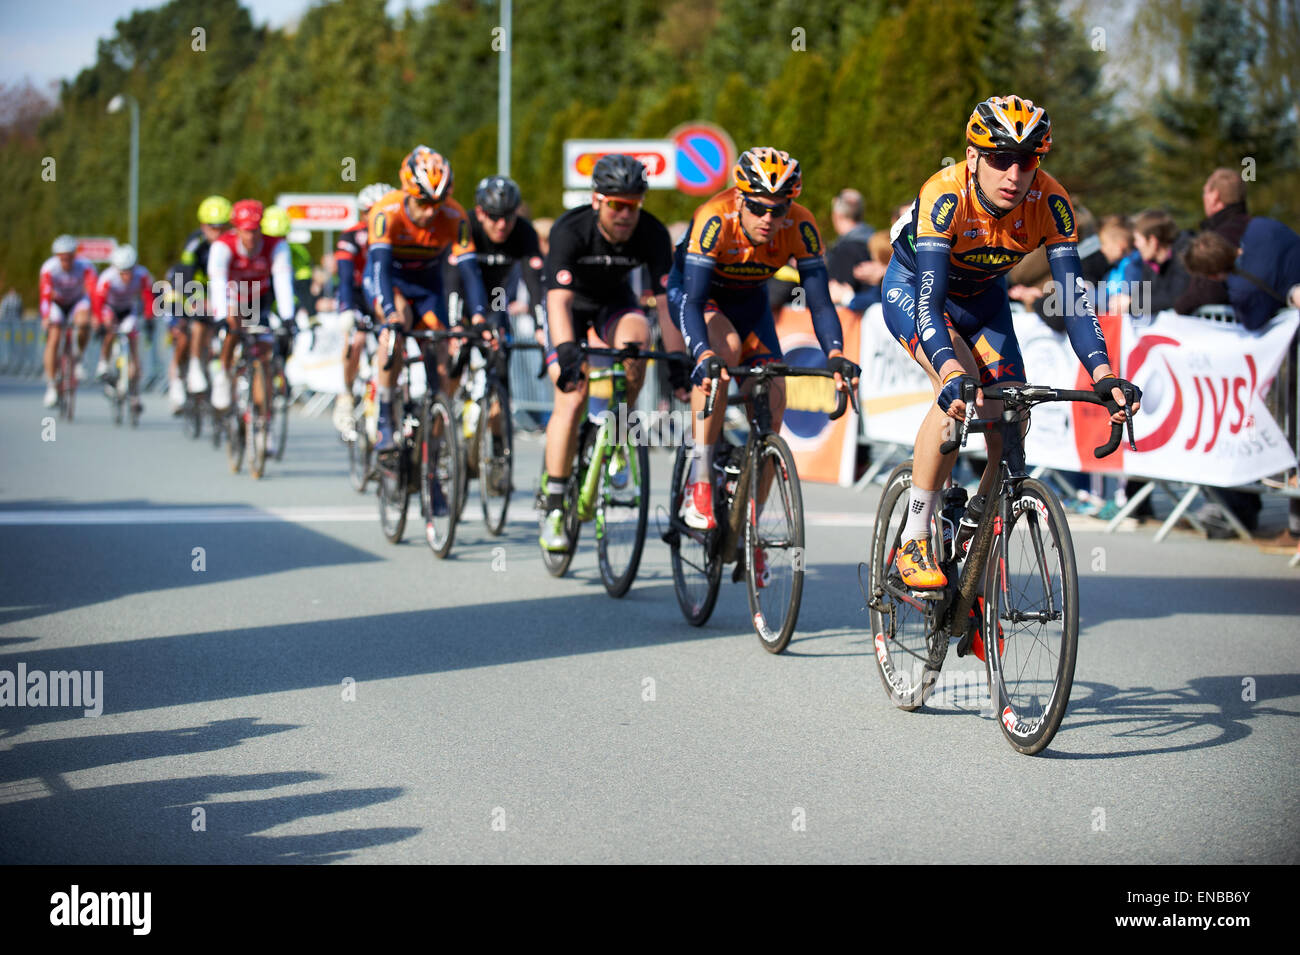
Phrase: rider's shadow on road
(172,821)
(1144,720)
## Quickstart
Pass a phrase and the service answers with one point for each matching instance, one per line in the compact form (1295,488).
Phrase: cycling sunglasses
(620,205)
(761,209)
(1004,161)
(503,217)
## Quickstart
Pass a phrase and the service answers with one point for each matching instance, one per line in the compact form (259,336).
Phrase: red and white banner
(319,212)
(1203,417)
(659,156)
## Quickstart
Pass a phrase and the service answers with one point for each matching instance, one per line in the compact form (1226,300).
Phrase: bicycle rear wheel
(394,496)
(696,560)
(236,437)
(899,627)
(774,536)
(440,468)
(621,516)
(557,562)
(68,381)
(261,423)
(1034,606)
(495,454)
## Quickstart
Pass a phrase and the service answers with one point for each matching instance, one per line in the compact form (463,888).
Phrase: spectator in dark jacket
(849,261)
(1164,276)
(1268,266)
(1224,199)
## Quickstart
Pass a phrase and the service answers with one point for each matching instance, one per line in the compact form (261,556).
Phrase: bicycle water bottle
(969,521)
(470,418)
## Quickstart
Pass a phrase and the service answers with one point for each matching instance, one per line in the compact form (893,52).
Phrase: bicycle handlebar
(1026,396)
(778,369)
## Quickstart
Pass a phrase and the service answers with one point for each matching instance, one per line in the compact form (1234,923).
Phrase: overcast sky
(55,40)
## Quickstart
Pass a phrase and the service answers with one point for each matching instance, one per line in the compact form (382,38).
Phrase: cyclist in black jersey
(592,250)
(502,240)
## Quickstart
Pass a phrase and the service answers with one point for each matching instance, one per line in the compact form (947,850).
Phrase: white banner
(1203,416)
(320,368)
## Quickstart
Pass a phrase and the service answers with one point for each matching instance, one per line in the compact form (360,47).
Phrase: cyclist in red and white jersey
(248,274)
(67,286)
(123,299)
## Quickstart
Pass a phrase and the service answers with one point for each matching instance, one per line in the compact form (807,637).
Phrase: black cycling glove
(958,386)
(1131,392)
(846,369)
(679,375)
(568,355)
(709,366)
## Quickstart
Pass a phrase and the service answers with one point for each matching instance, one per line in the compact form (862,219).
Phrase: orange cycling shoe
(917,567)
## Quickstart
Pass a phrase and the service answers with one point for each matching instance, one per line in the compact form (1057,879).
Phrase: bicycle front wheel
(236,436)
(495,453)
(360,454)
(440,477)
(899,628)
(696,558)
(1034,609)
(622,512)
(774,551)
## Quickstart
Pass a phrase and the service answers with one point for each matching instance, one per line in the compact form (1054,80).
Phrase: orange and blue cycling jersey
(408,258)
(950,257)
(717,268)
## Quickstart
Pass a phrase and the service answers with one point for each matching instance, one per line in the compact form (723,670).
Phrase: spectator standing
(853,271)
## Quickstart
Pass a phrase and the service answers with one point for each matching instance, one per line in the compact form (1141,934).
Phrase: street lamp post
(115,105)
(503,91)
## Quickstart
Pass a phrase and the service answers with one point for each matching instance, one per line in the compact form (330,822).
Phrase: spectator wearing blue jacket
(1116,287)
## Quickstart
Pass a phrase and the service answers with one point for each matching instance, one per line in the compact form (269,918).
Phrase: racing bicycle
(1019,554)
(610,481)
(758,505)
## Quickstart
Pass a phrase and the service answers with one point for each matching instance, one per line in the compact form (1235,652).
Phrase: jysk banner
(1203,416)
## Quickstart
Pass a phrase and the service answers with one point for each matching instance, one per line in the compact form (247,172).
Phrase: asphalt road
(300,690)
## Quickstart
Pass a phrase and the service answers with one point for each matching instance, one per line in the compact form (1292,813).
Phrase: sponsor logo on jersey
(1062,214)
(1018,224)
(990,258)
(535,262)
(381,225)
(1033,195)
(709,235)
(564,277)
(893,295)
(808,233)
(746,268)
(974,233)
(944,207)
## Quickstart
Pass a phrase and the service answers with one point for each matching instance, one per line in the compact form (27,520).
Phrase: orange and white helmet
(1011,124)
(768,172)
(426,175)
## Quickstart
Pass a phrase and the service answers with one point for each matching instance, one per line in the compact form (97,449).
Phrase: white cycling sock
(920,508)
(701,462)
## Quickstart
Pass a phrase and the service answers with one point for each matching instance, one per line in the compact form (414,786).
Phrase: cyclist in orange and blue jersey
(945,298)
(410,231)
(718,294)
(354,297)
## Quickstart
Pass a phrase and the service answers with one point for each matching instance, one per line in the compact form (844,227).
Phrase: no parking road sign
(705,155)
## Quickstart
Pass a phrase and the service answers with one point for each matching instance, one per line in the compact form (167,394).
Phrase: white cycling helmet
(123,258)
(371,194)
(64,244)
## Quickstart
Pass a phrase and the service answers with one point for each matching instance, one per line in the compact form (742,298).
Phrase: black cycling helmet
(497,195)
(618,174)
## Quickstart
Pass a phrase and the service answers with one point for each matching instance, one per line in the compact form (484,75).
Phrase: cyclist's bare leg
(133,343)
(53,339)
(725,342)
(562,429)
(110,332)
(631,329)
(181,348)
(81,317)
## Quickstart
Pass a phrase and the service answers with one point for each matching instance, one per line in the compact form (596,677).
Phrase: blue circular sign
(704,156)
